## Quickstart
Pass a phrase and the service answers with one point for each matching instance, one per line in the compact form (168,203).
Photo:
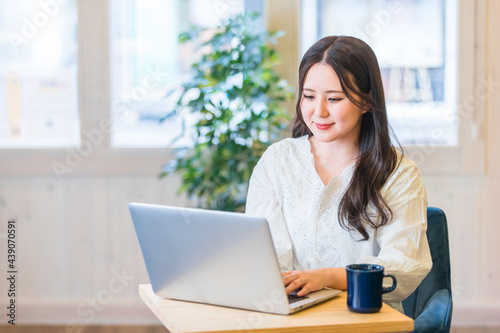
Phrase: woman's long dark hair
(357,68)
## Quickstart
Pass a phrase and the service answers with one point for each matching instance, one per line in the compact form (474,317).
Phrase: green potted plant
(237,100)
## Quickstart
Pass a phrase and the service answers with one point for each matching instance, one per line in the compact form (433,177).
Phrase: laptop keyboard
(294,298)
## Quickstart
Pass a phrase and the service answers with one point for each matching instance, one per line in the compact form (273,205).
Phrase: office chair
(431,304)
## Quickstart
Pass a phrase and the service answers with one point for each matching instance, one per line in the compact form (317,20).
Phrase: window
(75,135)
(147,63)
(38,74)
(415,44)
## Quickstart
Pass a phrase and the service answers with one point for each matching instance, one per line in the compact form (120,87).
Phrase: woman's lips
(323,127)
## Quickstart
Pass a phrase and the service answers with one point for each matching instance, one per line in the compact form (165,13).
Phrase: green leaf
(184,37)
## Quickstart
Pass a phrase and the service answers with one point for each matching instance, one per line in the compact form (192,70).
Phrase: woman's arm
(262,200)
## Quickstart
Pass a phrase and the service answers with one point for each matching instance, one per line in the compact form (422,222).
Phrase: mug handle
(391,288)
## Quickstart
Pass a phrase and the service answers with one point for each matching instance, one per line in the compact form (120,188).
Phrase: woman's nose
(321,110)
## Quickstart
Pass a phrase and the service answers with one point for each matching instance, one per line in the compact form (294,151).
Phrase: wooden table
(329,316)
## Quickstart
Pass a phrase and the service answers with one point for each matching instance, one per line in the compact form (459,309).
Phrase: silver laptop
(214,257)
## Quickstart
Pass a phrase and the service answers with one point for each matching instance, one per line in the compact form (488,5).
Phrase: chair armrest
(436,315)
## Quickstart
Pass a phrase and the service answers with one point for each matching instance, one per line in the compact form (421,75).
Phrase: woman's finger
(290,278)
(303,291)
(294,285)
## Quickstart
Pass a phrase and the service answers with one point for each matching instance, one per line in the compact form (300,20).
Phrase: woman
(338,192)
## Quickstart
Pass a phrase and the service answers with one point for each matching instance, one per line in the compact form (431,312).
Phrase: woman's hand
(314,279)
(310,280)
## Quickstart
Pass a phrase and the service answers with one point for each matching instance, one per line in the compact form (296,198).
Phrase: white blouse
(302,213)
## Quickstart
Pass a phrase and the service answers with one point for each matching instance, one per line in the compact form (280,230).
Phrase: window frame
(95,156)
(468,156)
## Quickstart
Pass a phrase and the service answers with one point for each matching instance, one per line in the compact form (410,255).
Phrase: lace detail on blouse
(309,207)
(302,213)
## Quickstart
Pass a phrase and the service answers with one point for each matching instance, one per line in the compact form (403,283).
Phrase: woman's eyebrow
(327,91)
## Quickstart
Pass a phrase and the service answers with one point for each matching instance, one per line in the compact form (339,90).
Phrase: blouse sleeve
(263,201)
(404,249)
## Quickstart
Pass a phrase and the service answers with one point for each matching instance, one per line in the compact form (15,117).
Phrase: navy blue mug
(364,287)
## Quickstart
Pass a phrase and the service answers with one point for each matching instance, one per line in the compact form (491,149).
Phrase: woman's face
(326,110)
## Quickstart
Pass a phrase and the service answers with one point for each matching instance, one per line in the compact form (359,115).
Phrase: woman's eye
(308,96)
(334,99)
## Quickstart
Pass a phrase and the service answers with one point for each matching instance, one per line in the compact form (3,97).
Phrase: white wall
(74,237)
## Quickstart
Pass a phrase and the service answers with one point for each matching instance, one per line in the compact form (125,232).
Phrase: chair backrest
(440,275)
